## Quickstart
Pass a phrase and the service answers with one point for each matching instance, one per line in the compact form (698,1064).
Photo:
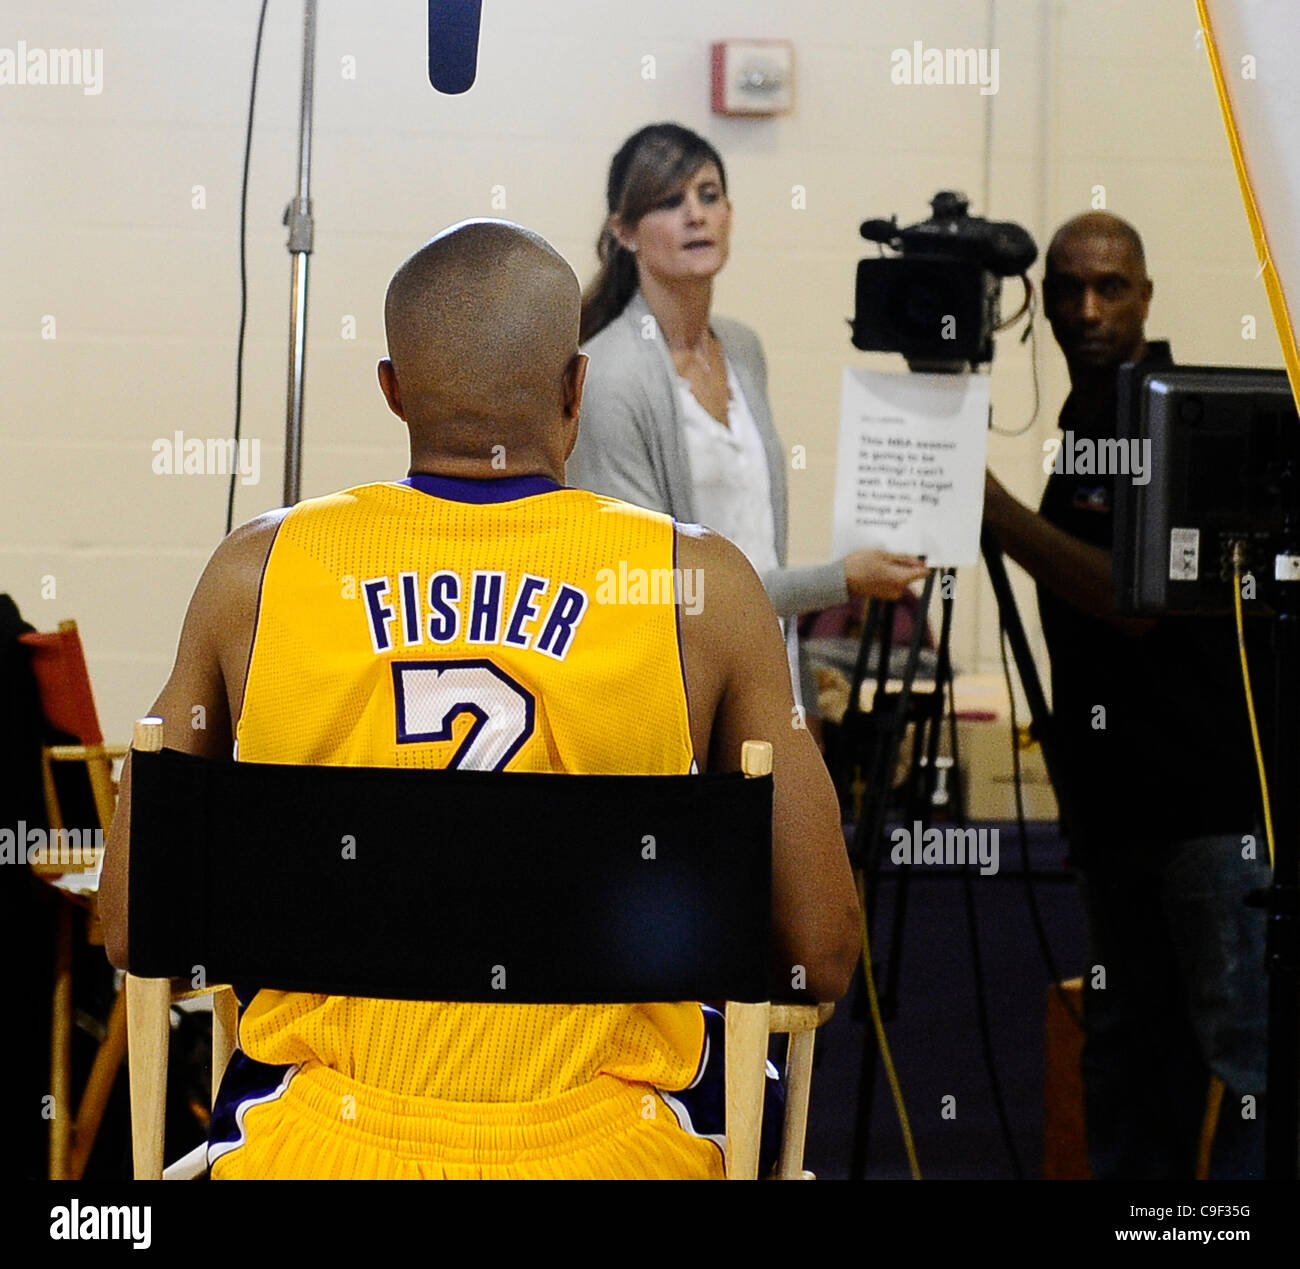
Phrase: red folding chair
(59,665)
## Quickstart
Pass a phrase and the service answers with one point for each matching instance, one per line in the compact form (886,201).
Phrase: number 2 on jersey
(431,695)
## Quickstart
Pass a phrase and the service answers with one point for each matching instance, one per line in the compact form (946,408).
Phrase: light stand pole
(297,215)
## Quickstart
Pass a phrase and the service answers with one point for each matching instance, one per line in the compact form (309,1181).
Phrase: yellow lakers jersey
(509,624)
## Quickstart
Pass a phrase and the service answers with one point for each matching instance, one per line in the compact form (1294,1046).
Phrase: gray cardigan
(631,439)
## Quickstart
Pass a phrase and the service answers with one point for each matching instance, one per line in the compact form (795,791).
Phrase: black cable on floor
(243,272)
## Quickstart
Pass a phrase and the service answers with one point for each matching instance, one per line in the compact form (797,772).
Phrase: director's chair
(68,704)
(422,885)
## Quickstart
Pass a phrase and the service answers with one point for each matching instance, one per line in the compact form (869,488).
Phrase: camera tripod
(870,746)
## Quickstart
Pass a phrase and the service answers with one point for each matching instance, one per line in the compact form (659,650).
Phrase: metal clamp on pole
(297,215)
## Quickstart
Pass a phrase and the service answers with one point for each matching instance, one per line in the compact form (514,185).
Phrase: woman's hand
(881,574)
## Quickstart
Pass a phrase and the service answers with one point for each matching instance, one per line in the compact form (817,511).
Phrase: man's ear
(389,386)
(575,375)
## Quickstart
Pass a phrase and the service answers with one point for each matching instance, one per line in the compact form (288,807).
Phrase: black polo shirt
(1152,729)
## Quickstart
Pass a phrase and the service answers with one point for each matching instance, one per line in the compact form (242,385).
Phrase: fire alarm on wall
(753,77)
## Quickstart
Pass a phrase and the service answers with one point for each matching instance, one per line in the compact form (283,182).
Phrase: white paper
(910,469)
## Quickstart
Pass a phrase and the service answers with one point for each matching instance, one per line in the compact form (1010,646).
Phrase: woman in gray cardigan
(675,414)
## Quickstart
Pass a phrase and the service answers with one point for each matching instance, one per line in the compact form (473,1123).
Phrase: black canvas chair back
(451,885)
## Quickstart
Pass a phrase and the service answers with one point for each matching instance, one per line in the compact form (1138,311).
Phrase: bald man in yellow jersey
(476,614)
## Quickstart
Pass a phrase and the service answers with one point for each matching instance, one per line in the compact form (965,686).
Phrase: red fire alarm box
(753,77)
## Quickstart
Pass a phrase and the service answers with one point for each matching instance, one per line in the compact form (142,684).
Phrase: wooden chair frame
(748,1028)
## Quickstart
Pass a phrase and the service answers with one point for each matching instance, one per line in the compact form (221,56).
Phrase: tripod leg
(890,714)
(1043,729)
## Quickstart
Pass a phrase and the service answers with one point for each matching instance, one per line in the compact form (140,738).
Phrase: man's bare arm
(1073,570)
(815,911)
(200,704)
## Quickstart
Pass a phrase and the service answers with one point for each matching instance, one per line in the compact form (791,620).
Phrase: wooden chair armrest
(791,1019)
(181,989)
(79,753)
(70,753)
(87,861)
(50,871)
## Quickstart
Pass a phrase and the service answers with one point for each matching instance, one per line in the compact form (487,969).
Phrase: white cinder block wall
(110,248)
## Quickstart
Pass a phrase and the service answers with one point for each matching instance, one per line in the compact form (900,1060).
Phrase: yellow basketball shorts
(310,1122)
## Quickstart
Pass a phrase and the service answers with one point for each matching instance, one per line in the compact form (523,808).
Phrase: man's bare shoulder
(224,608)
(727,575)
(236,565)
(251,541)
(721,629)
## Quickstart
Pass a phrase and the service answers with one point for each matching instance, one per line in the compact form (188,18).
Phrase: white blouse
(733,488)
(733,493)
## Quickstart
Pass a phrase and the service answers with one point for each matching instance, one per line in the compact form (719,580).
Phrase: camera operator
(1154,746)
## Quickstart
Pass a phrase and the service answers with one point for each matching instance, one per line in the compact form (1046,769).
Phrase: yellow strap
(1272,283)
